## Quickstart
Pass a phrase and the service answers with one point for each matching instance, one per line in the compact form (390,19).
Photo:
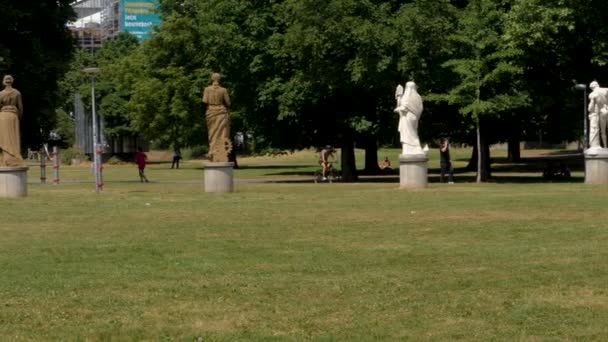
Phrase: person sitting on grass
(324,156)
(385,164)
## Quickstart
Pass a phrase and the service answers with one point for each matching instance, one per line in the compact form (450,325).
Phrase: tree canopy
(309,73)
(36,48)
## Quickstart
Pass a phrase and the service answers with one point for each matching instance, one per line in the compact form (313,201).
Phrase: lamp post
(92,72)
(583,87)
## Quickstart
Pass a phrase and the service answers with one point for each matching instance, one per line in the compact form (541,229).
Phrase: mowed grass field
(366,261)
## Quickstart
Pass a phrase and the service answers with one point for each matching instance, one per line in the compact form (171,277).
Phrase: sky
(95,18)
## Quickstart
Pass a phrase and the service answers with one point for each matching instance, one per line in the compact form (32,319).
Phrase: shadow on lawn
(527,170)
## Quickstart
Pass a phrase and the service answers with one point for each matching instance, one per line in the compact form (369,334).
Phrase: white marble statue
(409,108)
(598,116)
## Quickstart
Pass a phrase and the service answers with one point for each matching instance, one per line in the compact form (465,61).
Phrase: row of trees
(314,72)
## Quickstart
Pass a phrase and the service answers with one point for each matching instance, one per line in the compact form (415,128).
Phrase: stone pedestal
(218,177)
(413,171)
(13,181)
(596,166)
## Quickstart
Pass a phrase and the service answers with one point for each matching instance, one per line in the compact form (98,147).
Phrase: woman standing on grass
(445,161)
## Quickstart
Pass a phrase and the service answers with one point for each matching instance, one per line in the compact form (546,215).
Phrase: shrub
(73,152)
(197,152)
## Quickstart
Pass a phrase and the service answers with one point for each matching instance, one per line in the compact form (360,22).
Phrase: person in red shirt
(140,160)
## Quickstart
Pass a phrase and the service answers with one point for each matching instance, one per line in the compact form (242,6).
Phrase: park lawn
(298,164)
(289,261)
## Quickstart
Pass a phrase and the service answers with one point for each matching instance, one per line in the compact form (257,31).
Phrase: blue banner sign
(138,16)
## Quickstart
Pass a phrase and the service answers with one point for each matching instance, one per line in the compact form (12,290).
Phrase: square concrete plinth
(13,181)
(218,177)
(413,171)
(596,166)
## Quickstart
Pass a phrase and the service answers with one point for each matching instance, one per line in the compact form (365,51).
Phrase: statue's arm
(205,96)
(398,92)
(19,105)
(226,99)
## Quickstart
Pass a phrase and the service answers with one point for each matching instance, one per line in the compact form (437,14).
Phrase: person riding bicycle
(324,155)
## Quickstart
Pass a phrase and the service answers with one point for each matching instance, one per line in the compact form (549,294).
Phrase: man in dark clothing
(446,161)
(177,155)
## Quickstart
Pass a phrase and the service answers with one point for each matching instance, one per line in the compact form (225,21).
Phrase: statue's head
(410,85)
(594,85)
(7,80)
(216,77)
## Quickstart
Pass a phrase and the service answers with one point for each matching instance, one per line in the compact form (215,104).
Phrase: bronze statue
(218,121)
(11,109)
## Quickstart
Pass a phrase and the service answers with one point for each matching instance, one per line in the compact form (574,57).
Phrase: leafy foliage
(36,48)
(307,72)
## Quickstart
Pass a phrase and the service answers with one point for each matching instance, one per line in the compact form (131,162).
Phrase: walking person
(445,161)
(140,160)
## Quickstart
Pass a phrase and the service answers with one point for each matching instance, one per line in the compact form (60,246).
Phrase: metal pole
(95,138)
(99,179)
(97,148)
(42,156)
(55,165)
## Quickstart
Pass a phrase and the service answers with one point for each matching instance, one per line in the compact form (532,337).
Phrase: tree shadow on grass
(278,166)
(270,167)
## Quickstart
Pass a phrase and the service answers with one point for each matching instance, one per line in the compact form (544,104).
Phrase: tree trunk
(479,153)
(371,156)
(514,150)
(472,165)
(347,161)
(486,167)
(481,163)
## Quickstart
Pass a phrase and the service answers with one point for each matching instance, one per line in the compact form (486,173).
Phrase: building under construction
(97,21)
(102,19)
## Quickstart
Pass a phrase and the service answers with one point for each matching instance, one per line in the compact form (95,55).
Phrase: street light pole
(96,146)
(583,87)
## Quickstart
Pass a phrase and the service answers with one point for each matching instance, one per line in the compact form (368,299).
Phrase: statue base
(218,177)
(413,171)
(13,181)
(596,166)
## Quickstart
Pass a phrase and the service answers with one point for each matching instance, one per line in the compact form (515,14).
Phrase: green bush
(197,152)
(73,152)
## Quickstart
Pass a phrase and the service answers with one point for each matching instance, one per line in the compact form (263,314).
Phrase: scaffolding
(97,20)
(110,18)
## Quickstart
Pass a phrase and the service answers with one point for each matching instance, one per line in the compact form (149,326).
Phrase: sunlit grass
(303,261)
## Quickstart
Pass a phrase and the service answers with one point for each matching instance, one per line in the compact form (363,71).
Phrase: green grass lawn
(302,261)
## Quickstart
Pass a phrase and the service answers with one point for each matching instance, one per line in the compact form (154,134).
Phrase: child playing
(140,160)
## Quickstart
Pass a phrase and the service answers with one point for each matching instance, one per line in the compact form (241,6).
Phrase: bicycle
(332,174)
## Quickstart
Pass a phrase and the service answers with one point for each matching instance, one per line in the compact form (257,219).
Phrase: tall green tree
(487,70)
(338,59)
(196,39)
(36,48)
(301,73)
(113,86)
(564,43)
